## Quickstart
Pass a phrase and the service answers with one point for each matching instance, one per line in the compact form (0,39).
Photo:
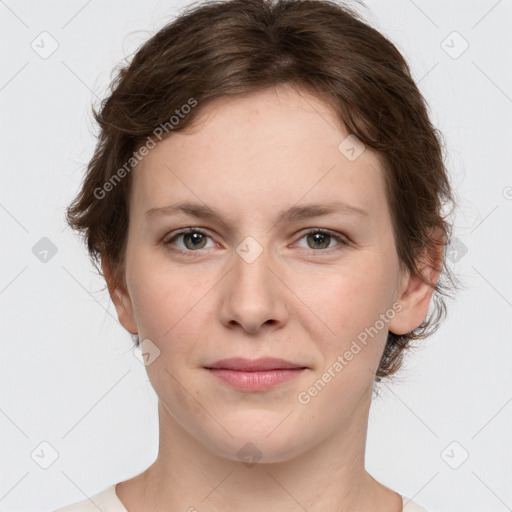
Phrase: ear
(414,294)
(120,298)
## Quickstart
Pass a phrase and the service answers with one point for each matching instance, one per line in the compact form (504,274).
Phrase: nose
(253,294)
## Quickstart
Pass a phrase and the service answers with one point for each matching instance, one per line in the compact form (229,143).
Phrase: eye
(321,239)
(193,238)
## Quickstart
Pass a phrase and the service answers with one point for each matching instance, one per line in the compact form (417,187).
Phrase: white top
(107,501)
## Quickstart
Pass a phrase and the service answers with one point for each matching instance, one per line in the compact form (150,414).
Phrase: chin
(264,445)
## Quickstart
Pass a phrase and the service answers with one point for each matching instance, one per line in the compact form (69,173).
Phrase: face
(263,273)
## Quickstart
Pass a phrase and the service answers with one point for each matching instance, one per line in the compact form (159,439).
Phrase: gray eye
(318,239)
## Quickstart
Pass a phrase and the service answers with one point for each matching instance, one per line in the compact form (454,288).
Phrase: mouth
(257,374)
(254,365)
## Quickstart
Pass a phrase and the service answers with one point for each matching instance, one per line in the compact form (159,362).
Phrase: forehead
(280,145)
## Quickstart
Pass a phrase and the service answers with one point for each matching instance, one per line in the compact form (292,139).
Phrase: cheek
(155,304)
(350,306)
(349,297)
(169,306)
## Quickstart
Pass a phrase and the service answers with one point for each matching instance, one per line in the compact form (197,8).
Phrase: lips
(255,375)
(254,365)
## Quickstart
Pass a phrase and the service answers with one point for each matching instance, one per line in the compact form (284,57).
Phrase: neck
(188,476)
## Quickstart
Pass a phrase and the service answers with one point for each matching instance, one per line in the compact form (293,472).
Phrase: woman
(266,202)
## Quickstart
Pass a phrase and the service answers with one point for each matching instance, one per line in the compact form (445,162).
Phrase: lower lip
(257,380)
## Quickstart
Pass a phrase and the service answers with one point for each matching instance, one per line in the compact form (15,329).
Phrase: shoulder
(106,501)
(411,506)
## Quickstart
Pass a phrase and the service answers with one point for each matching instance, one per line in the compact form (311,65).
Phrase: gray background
(69,378)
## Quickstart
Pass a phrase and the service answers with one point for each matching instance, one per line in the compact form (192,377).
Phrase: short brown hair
(229,48)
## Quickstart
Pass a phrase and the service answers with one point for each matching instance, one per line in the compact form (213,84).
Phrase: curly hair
(231,48)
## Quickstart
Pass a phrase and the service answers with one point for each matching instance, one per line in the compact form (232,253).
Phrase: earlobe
(120,298)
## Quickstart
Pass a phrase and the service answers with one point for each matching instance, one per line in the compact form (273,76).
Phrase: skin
(302,299)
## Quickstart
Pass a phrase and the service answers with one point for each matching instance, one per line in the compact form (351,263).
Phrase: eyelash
(189,253)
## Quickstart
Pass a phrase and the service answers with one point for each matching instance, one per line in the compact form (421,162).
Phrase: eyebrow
(202,211)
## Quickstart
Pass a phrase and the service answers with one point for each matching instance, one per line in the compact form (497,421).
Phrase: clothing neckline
(112,494)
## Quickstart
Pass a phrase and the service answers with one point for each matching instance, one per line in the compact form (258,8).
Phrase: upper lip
(248,365)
